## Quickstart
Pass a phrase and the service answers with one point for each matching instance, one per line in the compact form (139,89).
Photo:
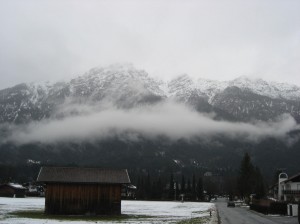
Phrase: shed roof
(83,175)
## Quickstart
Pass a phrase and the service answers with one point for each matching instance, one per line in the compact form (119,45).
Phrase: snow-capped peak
(185,84)
(124,85)
(270,89)
(125,69)
(120,77)
(117,78)
(182,86)
(211,87)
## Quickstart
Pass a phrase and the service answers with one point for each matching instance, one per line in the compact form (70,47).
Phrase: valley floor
(135,211)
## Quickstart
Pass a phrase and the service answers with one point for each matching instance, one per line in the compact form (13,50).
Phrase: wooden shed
(82,191)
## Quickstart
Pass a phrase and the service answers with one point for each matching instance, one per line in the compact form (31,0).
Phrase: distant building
(287,189)
(34,190)
(12,190)
(128,191)
(291,188)
(82,191)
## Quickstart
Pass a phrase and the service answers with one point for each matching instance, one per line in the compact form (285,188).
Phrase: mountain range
(242,100)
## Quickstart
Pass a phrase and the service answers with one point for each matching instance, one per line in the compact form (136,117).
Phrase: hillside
(120,116)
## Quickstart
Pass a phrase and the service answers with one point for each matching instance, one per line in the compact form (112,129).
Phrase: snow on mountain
(126,86)
(184,84)
(271,89)
(115,80)
(210,87)
(182,87)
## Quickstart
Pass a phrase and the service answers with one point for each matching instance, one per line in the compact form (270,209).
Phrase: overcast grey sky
(58,39)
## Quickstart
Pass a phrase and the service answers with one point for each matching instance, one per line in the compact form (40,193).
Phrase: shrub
(259,208)
(279,208)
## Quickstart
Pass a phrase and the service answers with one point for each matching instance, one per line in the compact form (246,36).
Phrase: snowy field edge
(151,211)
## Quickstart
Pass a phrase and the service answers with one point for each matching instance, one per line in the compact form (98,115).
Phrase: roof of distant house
(14,185)
(83,175)
(295,178)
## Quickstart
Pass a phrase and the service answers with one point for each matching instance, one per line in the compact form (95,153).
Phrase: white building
(291,189)
(287,189)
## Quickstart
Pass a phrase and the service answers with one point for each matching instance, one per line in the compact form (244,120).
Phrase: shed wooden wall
(79,199)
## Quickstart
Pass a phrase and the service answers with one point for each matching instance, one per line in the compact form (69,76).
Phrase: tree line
(157,188)
(247,181)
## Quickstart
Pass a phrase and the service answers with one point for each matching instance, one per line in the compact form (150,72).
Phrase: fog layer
(169,119)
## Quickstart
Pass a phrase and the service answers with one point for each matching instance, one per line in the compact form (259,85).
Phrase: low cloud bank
(169,119)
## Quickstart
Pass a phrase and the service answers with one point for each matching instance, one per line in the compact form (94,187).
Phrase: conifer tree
(189,187)
(199,191)
(159,188)
(246,177)
(260,189)
(140,188)
(194,187)
(182,187)
(171,187)
(176,191)
(148,187)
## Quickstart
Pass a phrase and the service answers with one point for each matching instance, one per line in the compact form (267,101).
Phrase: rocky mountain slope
(126,87)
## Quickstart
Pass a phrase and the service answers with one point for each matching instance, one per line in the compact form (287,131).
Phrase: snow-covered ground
(150,211)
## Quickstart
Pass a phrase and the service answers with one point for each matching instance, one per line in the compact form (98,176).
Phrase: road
(238,215)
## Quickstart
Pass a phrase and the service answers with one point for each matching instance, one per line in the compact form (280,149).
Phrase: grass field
(30,210)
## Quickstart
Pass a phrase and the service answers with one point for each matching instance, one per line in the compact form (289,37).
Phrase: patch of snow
(150,211)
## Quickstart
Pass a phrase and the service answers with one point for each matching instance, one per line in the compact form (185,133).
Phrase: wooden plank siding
(83,191)
(78,199)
